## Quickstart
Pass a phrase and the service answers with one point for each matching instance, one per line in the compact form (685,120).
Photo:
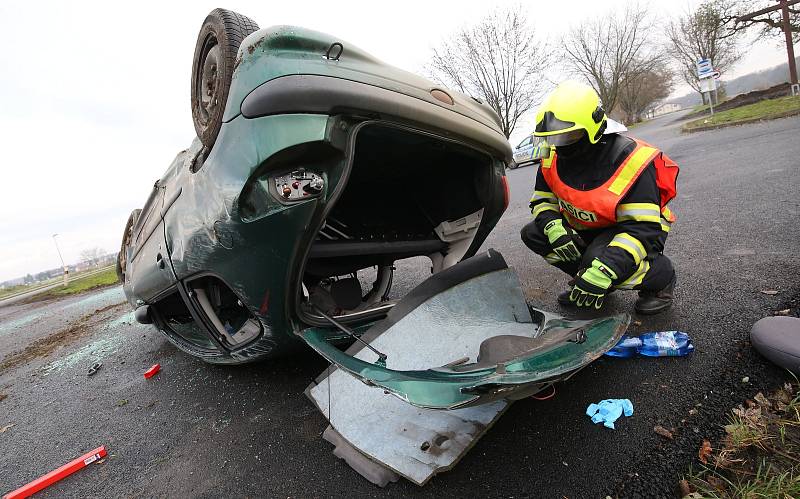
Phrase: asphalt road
(200,430)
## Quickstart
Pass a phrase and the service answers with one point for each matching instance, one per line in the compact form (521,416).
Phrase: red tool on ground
(56,475)
(152,371)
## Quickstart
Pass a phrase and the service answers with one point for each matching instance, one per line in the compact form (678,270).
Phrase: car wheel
(122,256)
(214,59)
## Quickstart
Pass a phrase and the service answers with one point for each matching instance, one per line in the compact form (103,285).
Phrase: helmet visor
(549,123)
(566,138)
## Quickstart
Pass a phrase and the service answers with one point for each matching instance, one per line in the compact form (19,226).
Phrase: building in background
(667,107)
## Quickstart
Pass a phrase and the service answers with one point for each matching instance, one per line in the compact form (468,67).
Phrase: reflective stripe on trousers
(637,277)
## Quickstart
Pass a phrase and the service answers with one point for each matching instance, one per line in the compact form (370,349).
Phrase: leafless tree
(766,25)
(608,49)
(639,91)
(92,255)
(499,60)
(703,34)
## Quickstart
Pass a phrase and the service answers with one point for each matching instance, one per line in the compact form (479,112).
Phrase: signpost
(704,68)
(707,76)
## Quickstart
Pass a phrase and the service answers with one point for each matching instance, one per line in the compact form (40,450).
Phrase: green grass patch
(14,290)
(763,110)
(760,455)
(24,288)
(81,284)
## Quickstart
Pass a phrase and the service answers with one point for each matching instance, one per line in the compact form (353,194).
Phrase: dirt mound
(780,90)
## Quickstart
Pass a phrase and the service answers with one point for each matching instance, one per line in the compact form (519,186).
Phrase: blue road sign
(704,69)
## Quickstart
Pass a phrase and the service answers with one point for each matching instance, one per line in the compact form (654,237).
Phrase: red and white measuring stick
(56,475)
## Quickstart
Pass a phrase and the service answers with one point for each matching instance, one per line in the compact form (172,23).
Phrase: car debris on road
(152,371)
(95,367)
(415,420)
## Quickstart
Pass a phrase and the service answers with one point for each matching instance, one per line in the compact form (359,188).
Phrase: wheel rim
(126,243)
(209,82)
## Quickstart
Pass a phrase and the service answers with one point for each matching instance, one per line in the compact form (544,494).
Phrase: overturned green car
(317,167)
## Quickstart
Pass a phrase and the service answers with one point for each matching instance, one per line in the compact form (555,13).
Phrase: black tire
(212,68)
(126,242)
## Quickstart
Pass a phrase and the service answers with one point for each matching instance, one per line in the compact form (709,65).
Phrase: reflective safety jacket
(622,182)
(600,207)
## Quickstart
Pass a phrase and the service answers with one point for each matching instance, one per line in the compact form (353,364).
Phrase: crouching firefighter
(600,205)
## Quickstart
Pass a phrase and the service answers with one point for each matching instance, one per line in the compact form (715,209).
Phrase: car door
(466,336)
(148,270)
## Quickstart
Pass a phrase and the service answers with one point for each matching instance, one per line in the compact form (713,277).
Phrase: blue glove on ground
(609,410)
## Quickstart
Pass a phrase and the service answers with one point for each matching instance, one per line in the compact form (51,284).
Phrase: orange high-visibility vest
(597,208)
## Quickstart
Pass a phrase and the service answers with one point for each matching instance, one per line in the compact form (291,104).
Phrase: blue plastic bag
(626,348)
(665,344)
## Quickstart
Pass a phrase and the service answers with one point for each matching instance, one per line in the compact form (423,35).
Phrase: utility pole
(783,5)
(787,31)
(63,265)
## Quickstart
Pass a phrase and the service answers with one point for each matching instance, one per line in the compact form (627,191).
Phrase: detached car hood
(466,337)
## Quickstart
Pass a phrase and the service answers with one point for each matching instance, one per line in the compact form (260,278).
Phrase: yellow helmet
(567,112)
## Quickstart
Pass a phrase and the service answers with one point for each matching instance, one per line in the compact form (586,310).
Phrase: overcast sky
(94,98)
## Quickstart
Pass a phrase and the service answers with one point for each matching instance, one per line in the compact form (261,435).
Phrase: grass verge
(759,455)
(13,290)
(764,110)
(81,284)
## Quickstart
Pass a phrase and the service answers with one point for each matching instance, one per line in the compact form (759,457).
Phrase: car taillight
(506,192)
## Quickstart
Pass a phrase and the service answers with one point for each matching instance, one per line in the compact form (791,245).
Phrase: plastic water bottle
(660,344)
(626,348)
(665,344)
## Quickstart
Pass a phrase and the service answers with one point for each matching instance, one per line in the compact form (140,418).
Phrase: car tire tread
(230,28)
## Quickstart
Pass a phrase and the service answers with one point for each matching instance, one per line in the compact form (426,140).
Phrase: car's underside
(408,194)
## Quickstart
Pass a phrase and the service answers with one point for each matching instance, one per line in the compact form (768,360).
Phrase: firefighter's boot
(653,302)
